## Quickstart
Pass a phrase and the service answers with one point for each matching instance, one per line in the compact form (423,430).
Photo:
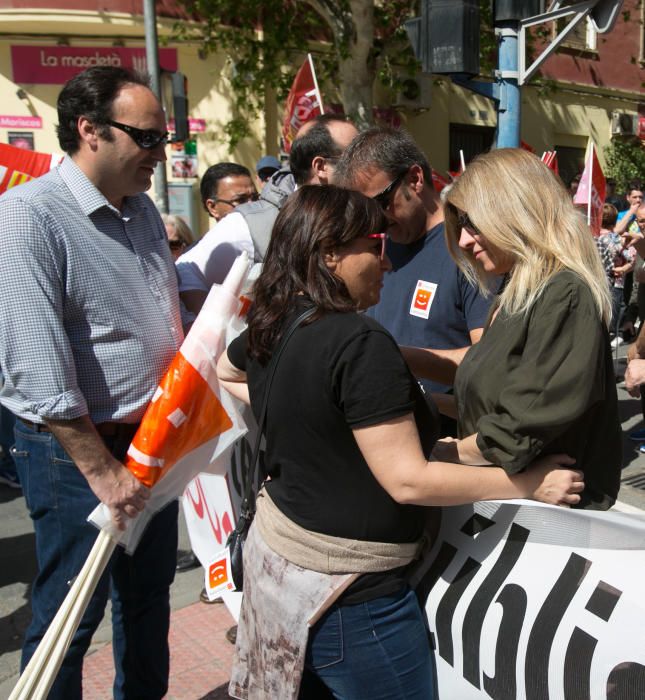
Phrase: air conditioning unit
(624,124)
(414,93)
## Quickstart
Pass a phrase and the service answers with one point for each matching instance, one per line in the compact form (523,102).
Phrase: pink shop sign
(55,65)
(7,121)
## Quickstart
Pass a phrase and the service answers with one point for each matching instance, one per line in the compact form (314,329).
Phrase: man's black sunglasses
(144,138)
(240,199)
(384,197)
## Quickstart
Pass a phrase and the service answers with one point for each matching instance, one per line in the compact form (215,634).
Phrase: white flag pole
(590,182)
(462,161)
(313,73)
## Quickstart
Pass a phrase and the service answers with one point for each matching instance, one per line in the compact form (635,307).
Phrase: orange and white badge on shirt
(218,577)
(422,299)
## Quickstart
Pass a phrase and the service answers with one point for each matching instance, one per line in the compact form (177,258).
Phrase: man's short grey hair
(391,150)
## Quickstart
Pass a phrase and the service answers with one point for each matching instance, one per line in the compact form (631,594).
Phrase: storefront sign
(55,65)
(9,122)
(195,126)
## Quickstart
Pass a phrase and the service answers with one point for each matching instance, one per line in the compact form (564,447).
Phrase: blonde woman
(541,379)
(179,234)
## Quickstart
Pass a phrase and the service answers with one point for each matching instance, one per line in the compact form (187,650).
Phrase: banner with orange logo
(190,422)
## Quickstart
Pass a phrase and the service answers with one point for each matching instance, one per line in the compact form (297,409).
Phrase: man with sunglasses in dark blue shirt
(426,302)
(90,322)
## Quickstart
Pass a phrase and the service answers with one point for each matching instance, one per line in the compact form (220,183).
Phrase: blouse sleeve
(558,376)
(370,380)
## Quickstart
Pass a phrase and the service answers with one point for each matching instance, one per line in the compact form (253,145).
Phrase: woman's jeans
(59,501)
(376,649)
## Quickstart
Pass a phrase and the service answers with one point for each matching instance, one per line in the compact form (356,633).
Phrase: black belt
(107,429)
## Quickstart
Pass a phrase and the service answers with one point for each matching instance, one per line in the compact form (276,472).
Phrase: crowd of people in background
(442,327)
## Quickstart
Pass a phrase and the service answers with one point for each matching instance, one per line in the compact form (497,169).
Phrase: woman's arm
(232,379)
(392,451)
(464,451)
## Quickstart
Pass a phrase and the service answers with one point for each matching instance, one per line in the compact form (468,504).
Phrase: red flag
(591,190)
(303,102)
(438,181)
(18,165)
(550,159)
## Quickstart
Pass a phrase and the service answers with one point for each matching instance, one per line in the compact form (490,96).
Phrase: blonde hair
(182,228)
(521,207)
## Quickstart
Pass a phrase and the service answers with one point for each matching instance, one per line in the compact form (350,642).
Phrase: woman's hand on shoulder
(551,481)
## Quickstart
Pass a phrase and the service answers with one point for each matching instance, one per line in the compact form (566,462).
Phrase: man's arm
(438,365)
(36,355)
(623,223)
(110,481)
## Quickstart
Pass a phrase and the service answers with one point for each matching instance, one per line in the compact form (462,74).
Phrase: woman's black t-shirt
(340,372)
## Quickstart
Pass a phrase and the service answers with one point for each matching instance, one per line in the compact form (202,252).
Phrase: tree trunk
(356,67)
(352,24)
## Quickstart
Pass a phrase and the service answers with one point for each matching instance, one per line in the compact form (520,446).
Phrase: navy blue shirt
(426,301)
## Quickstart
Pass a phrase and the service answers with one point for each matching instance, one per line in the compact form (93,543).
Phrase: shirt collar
(89,198)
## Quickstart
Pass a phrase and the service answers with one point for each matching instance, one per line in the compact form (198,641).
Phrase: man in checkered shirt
(90,321)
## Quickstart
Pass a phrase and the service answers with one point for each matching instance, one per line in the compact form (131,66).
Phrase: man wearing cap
(86,254)
(265,167)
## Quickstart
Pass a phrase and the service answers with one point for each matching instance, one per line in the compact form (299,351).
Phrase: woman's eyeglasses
(382,238)
(144,138)
(384,197)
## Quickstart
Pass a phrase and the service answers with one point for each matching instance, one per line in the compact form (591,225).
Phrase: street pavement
(201,656)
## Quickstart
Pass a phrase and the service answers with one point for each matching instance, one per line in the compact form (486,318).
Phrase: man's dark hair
(210,180)
(391,150)
(316,142)
(91,94)
(634,185)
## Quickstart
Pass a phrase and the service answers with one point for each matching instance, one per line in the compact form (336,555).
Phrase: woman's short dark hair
(315,220)
(91,94)
(609,216)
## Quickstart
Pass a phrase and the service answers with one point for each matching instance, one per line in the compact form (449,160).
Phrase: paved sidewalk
(200,657)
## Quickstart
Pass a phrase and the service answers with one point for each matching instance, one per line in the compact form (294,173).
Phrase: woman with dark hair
(348,436)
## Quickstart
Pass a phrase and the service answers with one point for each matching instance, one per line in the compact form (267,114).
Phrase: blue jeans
(59,501)
(376,649)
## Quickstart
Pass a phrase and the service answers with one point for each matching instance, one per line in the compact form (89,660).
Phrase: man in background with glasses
(90,322)
(314,153)
(426,302)
(225,186)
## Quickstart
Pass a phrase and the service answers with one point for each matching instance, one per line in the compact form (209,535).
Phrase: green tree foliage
(625,161)
(353,42)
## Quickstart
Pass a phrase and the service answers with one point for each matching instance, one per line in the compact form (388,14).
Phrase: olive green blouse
(543,383)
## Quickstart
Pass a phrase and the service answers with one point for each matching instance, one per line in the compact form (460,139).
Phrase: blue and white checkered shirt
(89,309)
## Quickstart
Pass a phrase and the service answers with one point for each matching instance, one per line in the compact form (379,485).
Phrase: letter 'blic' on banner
(533,602)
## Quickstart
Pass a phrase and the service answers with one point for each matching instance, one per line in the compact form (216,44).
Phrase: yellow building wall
(565,117)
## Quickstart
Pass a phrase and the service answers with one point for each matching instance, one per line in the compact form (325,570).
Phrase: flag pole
(313,75)
(590,184)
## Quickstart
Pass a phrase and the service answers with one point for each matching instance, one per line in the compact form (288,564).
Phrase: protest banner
(303,102)
(18,165)
(531,602)
(591,190)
